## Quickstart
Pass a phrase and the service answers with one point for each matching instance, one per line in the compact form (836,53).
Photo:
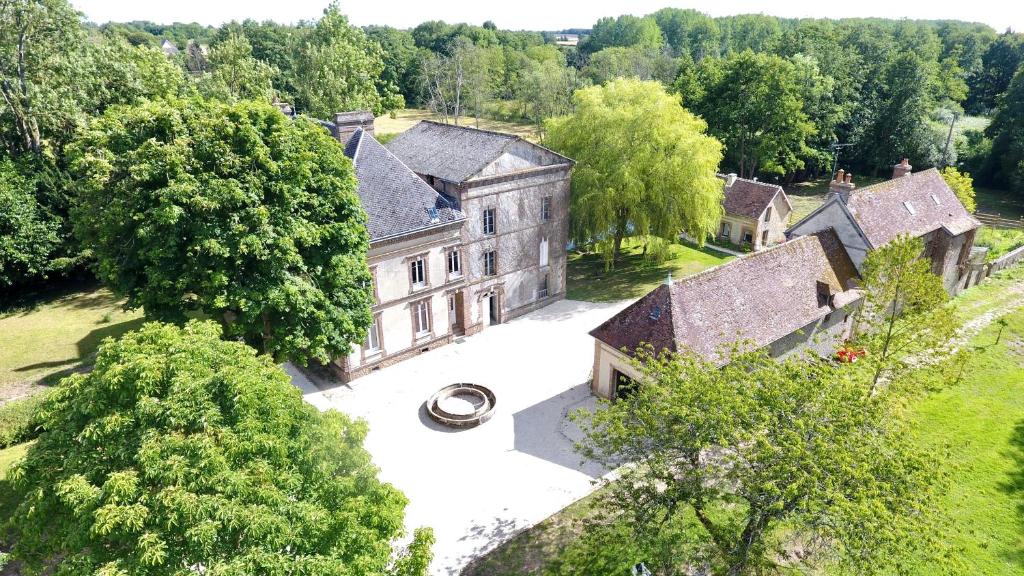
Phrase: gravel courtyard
(476,488)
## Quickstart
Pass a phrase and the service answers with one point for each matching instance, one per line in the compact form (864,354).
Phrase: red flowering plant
(850,354)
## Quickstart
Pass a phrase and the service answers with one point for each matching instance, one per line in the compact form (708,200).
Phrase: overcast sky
(538,14)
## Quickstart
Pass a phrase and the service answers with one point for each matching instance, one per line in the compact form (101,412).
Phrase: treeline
(777,92)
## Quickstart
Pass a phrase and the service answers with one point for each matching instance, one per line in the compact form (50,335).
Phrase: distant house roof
(915,204)
(749,198)
(760,297)
(454,153)
(395,199)
(168,47)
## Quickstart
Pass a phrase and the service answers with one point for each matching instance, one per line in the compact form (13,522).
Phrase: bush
(19,420)
(999,241)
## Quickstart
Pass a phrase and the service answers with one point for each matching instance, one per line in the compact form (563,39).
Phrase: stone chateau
(468,228)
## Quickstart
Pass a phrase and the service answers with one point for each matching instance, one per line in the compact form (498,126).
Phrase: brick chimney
(842,185)
(345,123)
(902,169)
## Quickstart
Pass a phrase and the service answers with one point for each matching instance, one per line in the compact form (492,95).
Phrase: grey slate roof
(760,297)
(452,153)
(748,199)
(881,212)
(395,199)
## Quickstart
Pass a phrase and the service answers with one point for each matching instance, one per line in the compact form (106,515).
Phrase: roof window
(909,207)
(936,200)
(656,313)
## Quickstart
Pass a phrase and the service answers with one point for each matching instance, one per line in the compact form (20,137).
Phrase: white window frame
(544,251)
(491,263)
(422,316)
(490,225)
(453,257)
(372,344)
(418,268)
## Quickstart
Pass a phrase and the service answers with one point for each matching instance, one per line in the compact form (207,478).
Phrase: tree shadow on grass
(88,344)
(1014,486)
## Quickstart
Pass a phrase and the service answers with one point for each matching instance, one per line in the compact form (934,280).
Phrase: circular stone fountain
(461,405)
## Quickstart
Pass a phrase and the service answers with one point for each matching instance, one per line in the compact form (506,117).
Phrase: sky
(538,14)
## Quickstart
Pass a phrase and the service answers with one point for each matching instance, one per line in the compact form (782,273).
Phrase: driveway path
(477,488)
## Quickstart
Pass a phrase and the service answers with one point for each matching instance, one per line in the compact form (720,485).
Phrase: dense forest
(784,96)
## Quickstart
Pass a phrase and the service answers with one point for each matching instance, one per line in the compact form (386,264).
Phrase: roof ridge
(399,160)
(471,128)
(742,258)
(912,175)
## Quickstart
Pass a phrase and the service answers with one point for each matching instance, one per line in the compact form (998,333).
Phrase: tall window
(454,264)
(422,313)
(726,230)
(489,221)
(490,266)
(544,251)
(767,214)
(545,208)
(764,238)
(542,287)
(417,273)
(373,336)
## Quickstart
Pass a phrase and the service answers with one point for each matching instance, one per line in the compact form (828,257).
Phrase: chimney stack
(730,179)
(902,169)
(346,123)
(842,185)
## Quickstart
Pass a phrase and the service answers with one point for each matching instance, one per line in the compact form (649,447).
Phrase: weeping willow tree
(645,167)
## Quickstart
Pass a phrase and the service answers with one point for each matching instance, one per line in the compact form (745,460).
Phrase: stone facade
(797,297)
(755,213)
(919,205)
(493,248)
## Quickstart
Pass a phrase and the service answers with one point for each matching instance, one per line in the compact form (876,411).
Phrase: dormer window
(909,207)
(825,293)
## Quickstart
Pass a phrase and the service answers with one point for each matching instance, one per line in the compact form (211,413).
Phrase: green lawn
(978,426)
(10,455)
(806,196)
(1000,202)
(634,275)
(56,335)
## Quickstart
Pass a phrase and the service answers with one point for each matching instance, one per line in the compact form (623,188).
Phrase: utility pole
(949,138)
(835,147)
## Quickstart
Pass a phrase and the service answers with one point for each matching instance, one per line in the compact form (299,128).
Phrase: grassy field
(999,202)
(999,241)
(56,336)
(806,196)
(634,275)
(405,119)
(978,425)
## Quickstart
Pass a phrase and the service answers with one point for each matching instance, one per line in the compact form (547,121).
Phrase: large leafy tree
(1005,165)
(645,166)
(336,68)
(759,467)
(181,450)
(42,59)
(753,103)
(29,234)
(235,74)
(904,320)
(232,210)
(624,31)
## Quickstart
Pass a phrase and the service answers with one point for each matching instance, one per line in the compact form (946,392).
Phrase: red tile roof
(748,198)
(760,297)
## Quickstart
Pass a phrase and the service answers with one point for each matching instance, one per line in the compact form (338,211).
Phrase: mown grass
(999,202)
(999,241)
(56,336)
(407,118)
(977,425)
(634,274)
